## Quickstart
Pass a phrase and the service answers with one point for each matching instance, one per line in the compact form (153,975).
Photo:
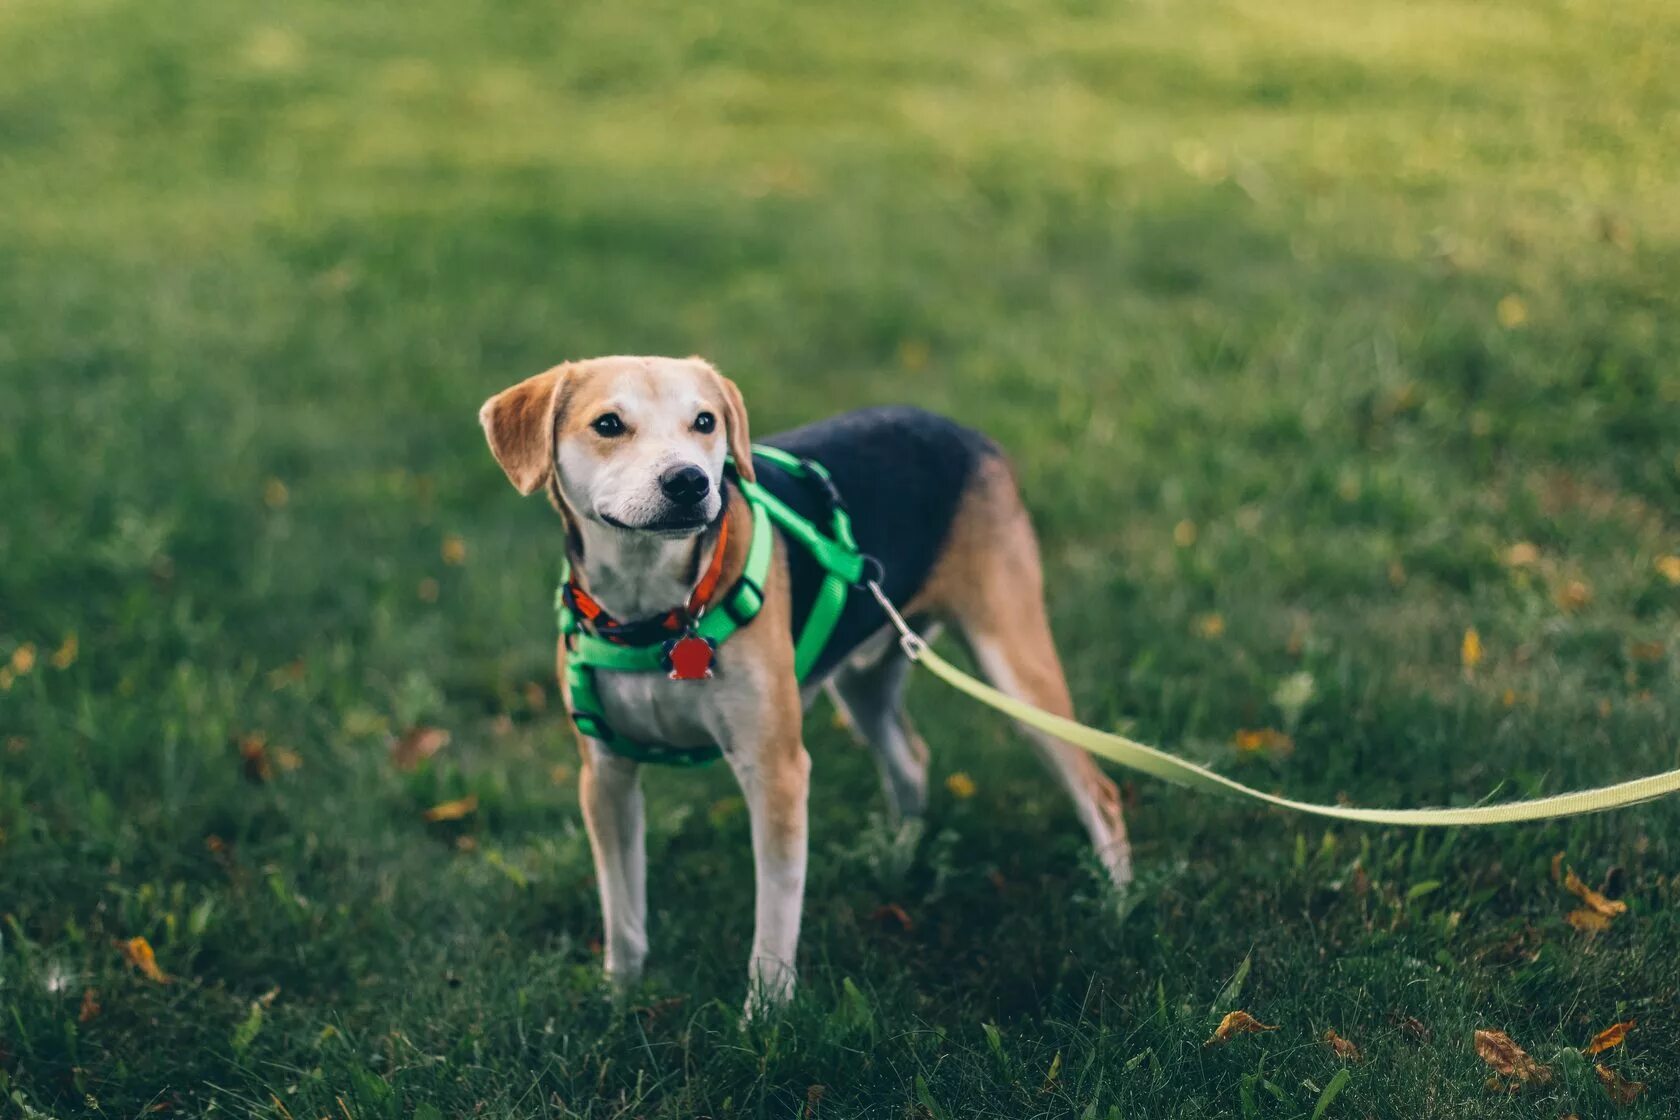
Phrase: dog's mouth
(675,525)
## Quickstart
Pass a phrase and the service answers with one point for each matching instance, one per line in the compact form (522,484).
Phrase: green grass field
(1321,335)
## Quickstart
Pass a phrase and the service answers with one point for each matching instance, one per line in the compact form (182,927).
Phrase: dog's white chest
(652,708)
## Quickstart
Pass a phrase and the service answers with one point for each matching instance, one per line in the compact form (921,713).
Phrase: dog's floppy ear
(735,427)
(519,423)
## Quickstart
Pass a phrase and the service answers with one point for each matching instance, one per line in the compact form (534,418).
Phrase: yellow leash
(1137,756)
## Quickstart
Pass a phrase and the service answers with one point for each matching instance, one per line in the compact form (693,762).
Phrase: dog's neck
(638,575)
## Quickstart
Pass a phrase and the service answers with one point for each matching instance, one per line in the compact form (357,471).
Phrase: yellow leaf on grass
(1607,906)
(1610,1037)
(1573,595)
(1344,1049)
(1620,1089)
(1587,921)
(137,951)
(454,550)
(453,810)
(1512,312)
(1497,1050)
(961,785)
(1210,625)
(275,494)
(1237,1022)
(1470,650)
(1262,739)
(65,655)
(1522,554)
(1669,568)
(23,659)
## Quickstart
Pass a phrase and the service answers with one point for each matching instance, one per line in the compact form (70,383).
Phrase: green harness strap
(837,554)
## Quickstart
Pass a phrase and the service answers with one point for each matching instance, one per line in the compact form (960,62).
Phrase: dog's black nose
(686,486)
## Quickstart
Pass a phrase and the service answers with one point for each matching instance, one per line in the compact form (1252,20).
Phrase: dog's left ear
(519,423)
(735,426)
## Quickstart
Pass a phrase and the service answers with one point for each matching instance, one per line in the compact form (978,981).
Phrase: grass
(1295,318)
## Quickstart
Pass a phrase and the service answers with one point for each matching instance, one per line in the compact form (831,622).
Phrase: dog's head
(635,443)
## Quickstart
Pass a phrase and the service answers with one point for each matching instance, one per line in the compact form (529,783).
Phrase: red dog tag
(689,658)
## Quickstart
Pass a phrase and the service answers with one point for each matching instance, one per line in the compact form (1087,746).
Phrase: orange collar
(608,627)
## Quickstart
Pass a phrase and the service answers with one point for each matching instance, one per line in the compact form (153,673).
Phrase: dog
(632,454)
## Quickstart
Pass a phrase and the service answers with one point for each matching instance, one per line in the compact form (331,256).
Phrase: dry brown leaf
(1557,868)
(417,744)
(1237,1022)
(894,913)
(1587,921)
(1619,1088)
(1609,1037)
(137,951)
(453,810)
(253,753)
(1497,1050)
(1344,1049)
(1606,906)
(90,1006)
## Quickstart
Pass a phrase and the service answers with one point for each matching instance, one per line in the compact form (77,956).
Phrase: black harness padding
(901,472)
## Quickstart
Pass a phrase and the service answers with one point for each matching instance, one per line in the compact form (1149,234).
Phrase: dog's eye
(608,424)
(705,422)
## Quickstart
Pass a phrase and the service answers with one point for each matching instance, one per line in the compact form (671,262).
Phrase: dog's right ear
(519,423)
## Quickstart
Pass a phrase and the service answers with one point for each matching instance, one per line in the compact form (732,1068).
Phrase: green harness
(837,553)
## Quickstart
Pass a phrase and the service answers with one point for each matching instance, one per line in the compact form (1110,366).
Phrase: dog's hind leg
(992,585)
(871,695)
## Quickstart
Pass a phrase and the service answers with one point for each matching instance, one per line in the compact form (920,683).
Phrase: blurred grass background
(1320,337)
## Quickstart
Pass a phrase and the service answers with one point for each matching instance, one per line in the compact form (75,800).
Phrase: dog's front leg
(775,773)
(610,791)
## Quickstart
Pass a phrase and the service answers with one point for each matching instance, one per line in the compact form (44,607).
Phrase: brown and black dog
(631,452)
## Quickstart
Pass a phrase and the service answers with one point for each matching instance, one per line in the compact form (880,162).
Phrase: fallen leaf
(1669,568)
(287,758)
(1263,739)
(1557,868)
(417,744)
(1470,650)
(1587,921)
(137,951)
(454,550)
(1606,906)
(1512,312)
(1412,1027)
(962,786)
(23,659)
(892,912)
(536,696)
(1573,595)
(275,494)
(1521,554)
(1610,1037)
(1619,1088)
(1646,651)
(1344,1049)
(90,1006)
(253,752)
(1497,1050)
(453,810)
(65,655)
(427,589)
(1235,1023)
(1210,625)
(1184,533)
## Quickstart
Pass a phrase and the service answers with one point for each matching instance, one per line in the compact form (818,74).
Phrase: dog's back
(902,473)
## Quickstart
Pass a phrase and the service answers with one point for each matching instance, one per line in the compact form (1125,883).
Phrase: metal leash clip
(908,639)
